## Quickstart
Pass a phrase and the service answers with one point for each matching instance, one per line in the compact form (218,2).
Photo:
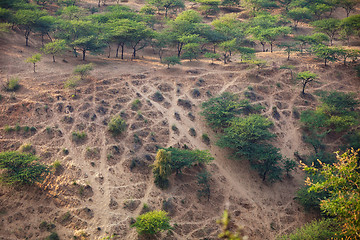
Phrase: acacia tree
(162,168)
(341,181)
(27,20)
(139,36)
(299,15)
(54,48)
(167,5)
(34,59)
(45,25)
(305,78)
(328,26)
(288,47)
(348,5)
(326,53)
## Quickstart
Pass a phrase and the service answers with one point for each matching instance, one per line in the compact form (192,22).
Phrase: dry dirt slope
(107,194)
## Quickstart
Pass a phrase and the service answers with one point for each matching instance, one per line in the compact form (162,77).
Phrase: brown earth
(95,193)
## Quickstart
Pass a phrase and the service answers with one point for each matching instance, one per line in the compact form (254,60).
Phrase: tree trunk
(42,39)
(225,58)
(75,53)
(99,3)
(109,50)
(271,46)
(49,36)
(166,12)
(27,33)
(325,62)
(179,48)
(214,48)
(84,52)
(344,61)
(117,51)
(134,53)
(53,58)
(263,45)
(34,67)
(304,85)
(288,55)
(122,51)
(264,176)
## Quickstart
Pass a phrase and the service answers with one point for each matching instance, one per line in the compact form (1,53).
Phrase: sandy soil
(95,193)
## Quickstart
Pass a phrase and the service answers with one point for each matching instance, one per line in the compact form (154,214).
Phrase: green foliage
(209,7)
(152,223)
(305,78)
(12,84)
(72,83)
(172,60)
(320,230)
(117,125)
(21,168)
(218,111)
(310,200)
(203,181)
(336,113)
(300,14)
(226,232)
(205,138)
(289,165)
(247,136)
(325,52)
(166,5)
(78,136)
(342,181)
(55,47)
(34,59)
(136,104)
(212,56)
(329,26)
(83,70)
(181,158)
(53,236)
(162,168)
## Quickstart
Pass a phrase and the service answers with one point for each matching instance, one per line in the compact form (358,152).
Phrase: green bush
(170,61)
(12,84)
(21,168)
(181,158)
(78,136)
(136,104)
(320,230)
(218,111)
(117,125)
(83,70)
(53,236)
(152,223)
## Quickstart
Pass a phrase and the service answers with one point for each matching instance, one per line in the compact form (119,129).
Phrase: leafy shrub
(117,125)
(205,138)
(192,132)
(136,104)
(181,158)
(203,181)
(83,70)
(158,96)
(21,168)
(162,168)
(289,165)
(27,148)
(152,223)
(171,61)
(53,236)
(218,111)
(78,136)
(12,84)
(319,230)
(56,164)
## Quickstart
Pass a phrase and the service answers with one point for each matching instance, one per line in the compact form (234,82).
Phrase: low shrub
(117,125)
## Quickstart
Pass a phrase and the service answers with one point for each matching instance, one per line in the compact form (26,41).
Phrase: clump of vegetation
(162,168)
(152,223)
(117,125)
(226,232)
(78,136)
(158,96)
(72,83)
(305,78)
(174,128)
(318,229)
(219,110)
(21,169)
(205,138)
(46,226)
(181,158)
(203,181)
(56,165)
(12,84)
(192,132)
(53,236)
(184,103)
(34,59)
(195,93)
(83,70)
(136,104)
(171,61)
(27,148)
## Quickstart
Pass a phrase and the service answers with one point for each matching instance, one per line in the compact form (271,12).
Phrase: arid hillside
(105,182)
